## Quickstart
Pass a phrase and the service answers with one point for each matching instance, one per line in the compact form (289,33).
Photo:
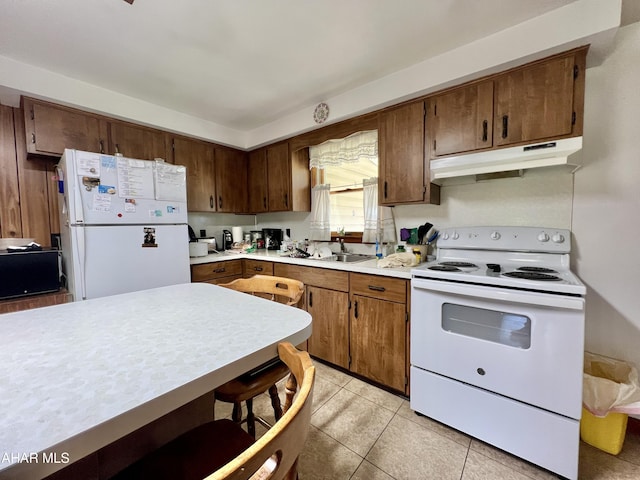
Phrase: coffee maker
(227,239)
(272,238)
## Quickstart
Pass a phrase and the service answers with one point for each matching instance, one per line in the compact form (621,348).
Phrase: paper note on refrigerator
(171,181)
(135,178)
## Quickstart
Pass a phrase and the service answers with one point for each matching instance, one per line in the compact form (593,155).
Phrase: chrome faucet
(342,248)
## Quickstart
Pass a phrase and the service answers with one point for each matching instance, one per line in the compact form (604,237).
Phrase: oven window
(499,327)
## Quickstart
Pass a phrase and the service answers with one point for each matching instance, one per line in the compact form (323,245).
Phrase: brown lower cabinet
(360,321)
(257,267)
(217,272)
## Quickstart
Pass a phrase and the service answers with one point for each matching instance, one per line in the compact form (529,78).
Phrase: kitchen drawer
(376,286)
(318,277)
(216,270)
(257,267)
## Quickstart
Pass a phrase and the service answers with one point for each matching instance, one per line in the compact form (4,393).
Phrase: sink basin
(349,257)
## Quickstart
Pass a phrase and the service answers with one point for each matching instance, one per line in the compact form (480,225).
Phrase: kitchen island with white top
(79,376)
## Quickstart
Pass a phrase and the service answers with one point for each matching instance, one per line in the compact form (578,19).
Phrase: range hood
(558,152)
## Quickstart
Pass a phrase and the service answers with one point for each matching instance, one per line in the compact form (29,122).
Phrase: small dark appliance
(227,239)
(272,238)
(29,272)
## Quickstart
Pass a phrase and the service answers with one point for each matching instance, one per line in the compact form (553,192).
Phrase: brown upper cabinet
(51,128)
(403,169)
(279,180)
(257,180)
(135,141)
(231,180)
(461,119)
(197,156)
(540,101)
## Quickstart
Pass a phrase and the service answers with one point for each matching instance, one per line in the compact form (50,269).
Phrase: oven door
(521,344)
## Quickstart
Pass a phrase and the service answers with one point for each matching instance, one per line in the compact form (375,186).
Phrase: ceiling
(244,63)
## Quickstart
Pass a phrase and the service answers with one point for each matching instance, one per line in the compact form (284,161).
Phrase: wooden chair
(248,386)
(279,289)
(221,449)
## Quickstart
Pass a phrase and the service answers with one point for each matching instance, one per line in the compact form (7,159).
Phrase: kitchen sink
(349,257)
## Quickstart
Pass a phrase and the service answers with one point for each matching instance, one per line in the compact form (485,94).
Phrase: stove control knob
(557,238)
(543,237)
(495,235)
(455,235)
(445,236)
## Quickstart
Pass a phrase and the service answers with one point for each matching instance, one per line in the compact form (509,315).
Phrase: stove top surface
(512,257)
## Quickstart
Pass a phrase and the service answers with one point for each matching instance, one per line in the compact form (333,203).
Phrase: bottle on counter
(418,255)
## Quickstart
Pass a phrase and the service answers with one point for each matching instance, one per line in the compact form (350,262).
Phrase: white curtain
(356,147)
(379,224)
(320,228)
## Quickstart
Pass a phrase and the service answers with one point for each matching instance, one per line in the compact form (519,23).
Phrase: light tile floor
(361,432)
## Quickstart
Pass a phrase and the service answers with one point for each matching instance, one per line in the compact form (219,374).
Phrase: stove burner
(532,276)
(537,269)
(444,268)
(459,264)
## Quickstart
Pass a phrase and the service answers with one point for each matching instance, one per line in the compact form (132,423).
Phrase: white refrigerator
(123,224)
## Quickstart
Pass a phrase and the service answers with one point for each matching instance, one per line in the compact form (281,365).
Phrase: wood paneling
(35,301)
(10,222)
(34,184)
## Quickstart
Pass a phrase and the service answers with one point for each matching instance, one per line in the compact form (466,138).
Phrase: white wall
(606,207)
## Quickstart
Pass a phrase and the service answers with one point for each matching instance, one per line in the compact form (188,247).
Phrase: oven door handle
(499,294)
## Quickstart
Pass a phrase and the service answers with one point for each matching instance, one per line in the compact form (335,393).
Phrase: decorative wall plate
(321,113)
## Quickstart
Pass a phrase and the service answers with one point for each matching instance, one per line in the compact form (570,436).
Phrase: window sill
(348,237)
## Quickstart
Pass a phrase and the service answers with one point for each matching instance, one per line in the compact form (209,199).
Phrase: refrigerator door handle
(80,254)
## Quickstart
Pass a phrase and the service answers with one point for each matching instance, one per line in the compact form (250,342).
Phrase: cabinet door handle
(485,130)
(286,200)
(117,148)
(505,126)
(375,288)
(219,270)
(311,299)
(258,269)
(355,309)
(33,138)
(210,201)
(385,189)
(219,201)
(101,146)
(264,202)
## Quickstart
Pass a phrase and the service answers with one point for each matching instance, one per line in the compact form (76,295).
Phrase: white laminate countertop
(367,266)
(78,376)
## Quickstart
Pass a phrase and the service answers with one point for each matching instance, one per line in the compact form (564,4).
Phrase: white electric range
(497,341)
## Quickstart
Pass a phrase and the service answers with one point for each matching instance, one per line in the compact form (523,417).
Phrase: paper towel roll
(236,233)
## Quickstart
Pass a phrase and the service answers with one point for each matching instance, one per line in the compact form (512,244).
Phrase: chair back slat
(285,290)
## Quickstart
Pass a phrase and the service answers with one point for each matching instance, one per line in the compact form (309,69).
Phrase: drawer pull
(258,269)
(219,270)
(375,288)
